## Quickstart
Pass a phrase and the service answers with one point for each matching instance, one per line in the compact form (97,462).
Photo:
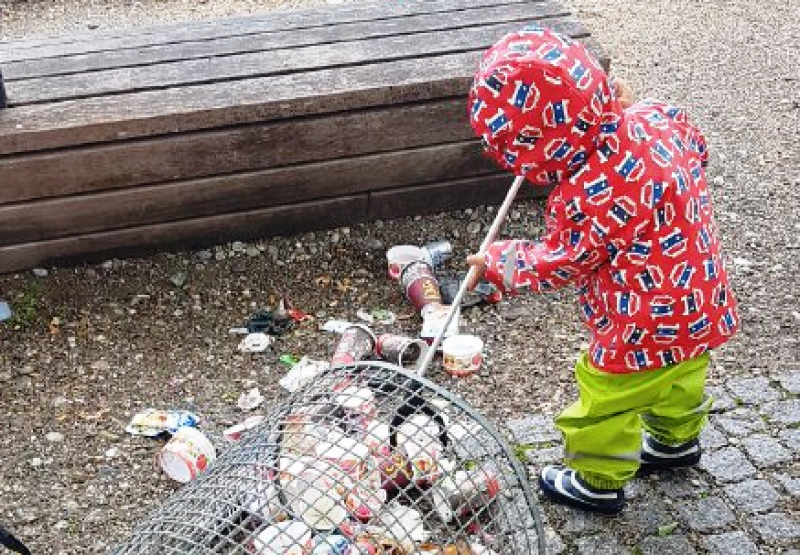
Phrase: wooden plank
(283,220)
(81,214)
(276,62)
(279,20)
(452,195)
(258,146)
(261,42)
(95,120)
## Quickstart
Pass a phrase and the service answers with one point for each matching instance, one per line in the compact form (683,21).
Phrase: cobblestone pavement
(743,499)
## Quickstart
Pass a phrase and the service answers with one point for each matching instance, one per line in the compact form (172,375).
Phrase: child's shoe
(563,485)
(657,455)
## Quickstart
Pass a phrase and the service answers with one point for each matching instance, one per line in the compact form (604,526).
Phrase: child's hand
(623,92)
(477,262)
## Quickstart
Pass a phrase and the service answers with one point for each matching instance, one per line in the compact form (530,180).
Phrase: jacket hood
(542,104)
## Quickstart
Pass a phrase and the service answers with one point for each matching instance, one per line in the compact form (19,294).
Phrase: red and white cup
(186,455)
(400,256)
(465,492)
(356,343)
(420,285)
(399,349)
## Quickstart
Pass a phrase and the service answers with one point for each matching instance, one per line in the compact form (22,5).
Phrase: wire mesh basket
(368,459)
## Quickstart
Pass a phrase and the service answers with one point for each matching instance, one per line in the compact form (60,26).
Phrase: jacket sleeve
(588,223)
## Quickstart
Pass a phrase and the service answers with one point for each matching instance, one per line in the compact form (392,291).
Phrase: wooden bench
(202,133)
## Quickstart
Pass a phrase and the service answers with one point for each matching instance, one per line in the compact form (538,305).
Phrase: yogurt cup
(186,455)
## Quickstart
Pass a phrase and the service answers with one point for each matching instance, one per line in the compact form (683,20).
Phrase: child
(629,223)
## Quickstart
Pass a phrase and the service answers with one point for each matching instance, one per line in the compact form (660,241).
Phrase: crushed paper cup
(234,433)
(154,422)
(336,326)
(256,342)
(302,373)
(250,400)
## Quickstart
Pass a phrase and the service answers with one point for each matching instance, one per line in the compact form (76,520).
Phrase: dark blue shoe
(656,455)
(563,485)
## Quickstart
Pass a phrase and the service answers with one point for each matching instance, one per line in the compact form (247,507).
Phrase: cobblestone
(776,527)
(791,438)
(732,543)
(740,422)
(765,451)
(602,544)
(752,391)
(790,484)
(790,381)
(728,465)
(673,545)
(707,515)
(783,412)
(534,429)
(753,496)
(711,438)
(722,399)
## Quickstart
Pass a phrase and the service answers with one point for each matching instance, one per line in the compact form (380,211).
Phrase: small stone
(23,382)
(252,252)
(673,545)
(776,527)
(602,544)
(732,543)
(790,484)
(205,255)
(26,370)
(107,265)
(40,272)
(783,412)
(706,515)
(728,465)
(577,521)
(25,516)
(178,279)
(765,451)
(548,455)
(273,252)
(790,381)
(54,437)
(534,429)
(473,228)
(61,525)
(752,391)
(753,496)
(111,453)
(237,246)
(679,485)
(791,438)
(101,365)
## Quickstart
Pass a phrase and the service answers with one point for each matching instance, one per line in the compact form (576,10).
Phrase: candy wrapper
(154,422)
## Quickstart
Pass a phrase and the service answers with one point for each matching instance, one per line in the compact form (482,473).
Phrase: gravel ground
(94,344)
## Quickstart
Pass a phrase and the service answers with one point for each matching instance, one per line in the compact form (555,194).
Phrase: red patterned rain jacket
(629,219)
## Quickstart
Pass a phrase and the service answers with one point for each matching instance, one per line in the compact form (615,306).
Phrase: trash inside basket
(368,459)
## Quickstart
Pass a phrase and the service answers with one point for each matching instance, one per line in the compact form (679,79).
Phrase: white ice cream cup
(186,455)
(463,354)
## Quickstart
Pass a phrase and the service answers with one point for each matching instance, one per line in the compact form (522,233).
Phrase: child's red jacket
(629,221)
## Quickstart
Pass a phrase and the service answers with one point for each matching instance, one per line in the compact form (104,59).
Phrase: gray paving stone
(752,391)
(790,484)
(553,541)
(791,438)
(644,516)
(728,465)
(582,522)
(682,483)
(790,381)
(637,488)
(536,428)
(776,527)
(706,515)
(711,438)
(740,422)
(765,451)
(602,544)
(722,399)
(753,496)
(783,412)
(732,543)
(540,457)
(673,545)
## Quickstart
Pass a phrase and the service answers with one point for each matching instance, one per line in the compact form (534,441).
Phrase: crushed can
(437,253)
(465,492)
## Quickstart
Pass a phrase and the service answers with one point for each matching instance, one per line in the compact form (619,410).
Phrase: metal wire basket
(368,459)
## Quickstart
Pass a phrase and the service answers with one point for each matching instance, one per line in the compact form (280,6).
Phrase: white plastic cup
(186,455)
(400,256)
(284,538)
(463,354)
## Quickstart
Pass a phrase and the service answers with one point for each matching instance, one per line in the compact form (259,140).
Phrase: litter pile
(367,459)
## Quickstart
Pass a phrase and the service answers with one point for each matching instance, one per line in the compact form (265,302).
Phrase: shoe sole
(558,498)
(668,464)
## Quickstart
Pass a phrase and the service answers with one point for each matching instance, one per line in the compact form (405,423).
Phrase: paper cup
(357,343)
(434,318)
(399,349)
(400,256)
(285,538)
(420,285)
(186,455)
(463,354)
